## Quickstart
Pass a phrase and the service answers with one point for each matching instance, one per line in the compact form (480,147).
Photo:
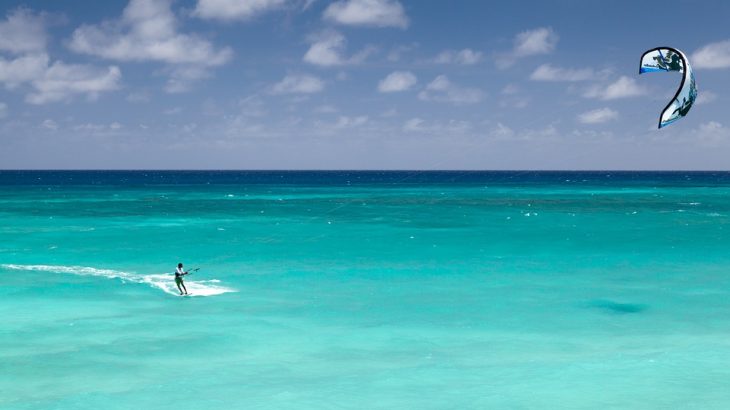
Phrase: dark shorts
(178,280)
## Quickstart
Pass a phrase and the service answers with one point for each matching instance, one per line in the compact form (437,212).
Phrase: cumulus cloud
(711,133)
(3,110)
(298,84)
(501,131)
(350,122)
(49,125)
(397,81)
(622,88)
(378,13)
(328,49)
(23,69)
(598,116)
(60,81)
(22,32)
(714,55)
(711,127)
(705,97)
(450,127)
(148,31)
(343,122)
(539,41)
(49,81)
(414,125)
(57,81)
(97,129)
(547,72)
(229,10)
(504,132)
(463,57)
(441,89)
(532,42)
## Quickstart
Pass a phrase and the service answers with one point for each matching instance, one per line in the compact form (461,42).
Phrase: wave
(163,282)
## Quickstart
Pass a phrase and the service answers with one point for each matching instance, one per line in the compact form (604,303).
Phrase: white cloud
(343,122)
(61,81)
(711,133)
(229,10)
(22,32)
(504,132)
(298,84)
(349,122)
(379,13)
(711,127)
(622,88)
(443,90)
(539,41)
(328,48)
(414,125)
(547,72)
(50,125)
(450,127)
(90,127)
(501,131)
(705,97)
(713,55)
(598,116)
(96,129)
(463,57)
(533,42)
(23,69)
(397,81)
(148,31)
(57,81)
(3,110)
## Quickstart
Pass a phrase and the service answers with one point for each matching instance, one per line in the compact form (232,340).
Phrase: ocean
(365,290)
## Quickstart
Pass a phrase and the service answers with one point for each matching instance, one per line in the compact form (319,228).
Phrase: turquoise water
(365,290)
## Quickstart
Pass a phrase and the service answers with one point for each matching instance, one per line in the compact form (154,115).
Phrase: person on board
(179,273)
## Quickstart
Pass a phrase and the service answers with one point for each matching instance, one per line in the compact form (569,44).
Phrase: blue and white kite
(671,59)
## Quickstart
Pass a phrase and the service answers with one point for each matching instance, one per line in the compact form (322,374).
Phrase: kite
(671,59)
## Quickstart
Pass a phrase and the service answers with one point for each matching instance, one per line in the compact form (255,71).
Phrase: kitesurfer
(179,273)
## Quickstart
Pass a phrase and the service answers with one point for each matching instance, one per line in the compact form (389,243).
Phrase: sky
(358,84)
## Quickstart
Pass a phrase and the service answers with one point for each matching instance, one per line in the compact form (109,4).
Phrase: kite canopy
(671,59)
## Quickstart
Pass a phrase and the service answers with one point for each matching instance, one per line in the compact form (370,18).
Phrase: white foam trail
(163,282)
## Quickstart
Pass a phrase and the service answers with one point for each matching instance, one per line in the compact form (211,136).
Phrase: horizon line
(342,170)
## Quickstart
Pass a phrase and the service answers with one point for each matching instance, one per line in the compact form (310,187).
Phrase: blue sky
(357,84)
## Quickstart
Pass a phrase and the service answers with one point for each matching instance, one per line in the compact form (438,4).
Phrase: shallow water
(365,290)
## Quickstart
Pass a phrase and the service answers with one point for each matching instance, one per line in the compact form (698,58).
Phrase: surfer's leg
(186,289)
